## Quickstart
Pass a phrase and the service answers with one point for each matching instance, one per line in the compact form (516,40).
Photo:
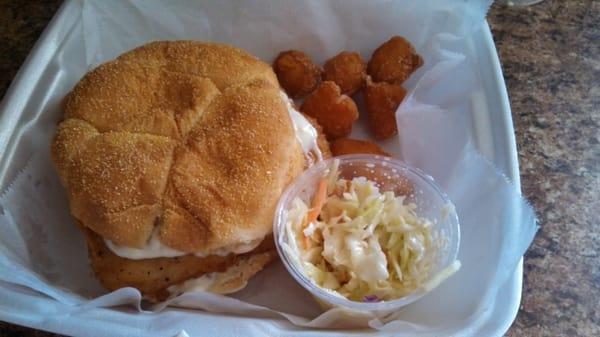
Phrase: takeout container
(390,175)
(50,278)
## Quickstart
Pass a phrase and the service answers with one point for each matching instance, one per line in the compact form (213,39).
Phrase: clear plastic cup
(390,175)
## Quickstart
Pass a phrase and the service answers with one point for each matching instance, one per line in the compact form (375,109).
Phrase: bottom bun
(154,277)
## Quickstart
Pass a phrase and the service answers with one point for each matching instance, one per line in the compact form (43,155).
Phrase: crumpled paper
(41,249)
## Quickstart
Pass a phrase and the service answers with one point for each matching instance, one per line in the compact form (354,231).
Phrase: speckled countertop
(550,53)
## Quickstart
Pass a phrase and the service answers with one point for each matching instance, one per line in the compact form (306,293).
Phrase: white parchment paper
(41,249)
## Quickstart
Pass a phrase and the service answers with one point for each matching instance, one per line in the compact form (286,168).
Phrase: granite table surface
(550,54)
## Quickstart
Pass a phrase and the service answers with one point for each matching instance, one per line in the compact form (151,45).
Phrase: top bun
(190,138)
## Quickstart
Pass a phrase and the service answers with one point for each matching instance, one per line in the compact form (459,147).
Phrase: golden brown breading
(394,61)
(387,177)
(153,276)
(296,72)
(347,70)
(381,100)
(343,146)
(334,111)
(391,181)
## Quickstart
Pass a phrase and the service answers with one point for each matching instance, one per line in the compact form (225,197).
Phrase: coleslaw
(361,243)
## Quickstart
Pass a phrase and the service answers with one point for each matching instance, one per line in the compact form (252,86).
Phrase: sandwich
(173,157)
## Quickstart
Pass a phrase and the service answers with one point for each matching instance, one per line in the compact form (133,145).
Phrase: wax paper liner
(41,249)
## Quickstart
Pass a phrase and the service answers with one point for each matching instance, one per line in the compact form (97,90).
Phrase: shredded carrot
(317,204)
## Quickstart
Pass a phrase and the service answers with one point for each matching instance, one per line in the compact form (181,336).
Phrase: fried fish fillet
(153,277)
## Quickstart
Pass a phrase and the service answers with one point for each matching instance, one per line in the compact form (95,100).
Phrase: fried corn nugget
(296,72)
(381,100)
(394,61)
(347,70)
(387,177)
(390,181)
(334,111)
(343,146)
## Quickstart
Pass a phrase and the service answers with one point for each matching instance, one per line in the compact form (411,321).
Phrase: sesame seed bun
(185,139)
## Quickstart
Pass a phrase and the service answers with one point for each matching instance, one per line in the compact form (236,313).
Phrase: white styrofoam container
(33,92)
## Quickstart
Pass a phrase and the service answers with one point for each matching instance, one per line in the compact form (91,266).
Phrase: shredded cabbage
(365,244)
